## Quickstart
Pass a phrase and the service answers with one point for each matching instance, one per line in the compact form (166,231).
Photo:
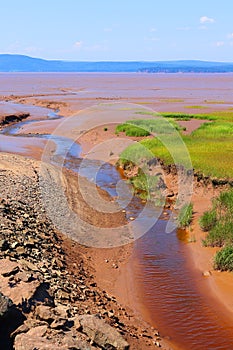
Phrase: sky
(118,30)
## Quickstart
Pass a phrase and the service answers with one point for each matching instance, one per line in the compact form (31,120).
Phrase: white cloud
(153,29)
(230,36)
(205,19)
(219,43)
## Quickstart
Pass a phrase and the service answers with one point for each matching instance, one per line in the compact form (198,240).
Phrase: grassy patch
(216,130)
(215,102)
(185,215)
(223,260)
(209,149)
(132,130)
(145,127)
(208,220)
(210,146)
(146,186)
(180,116)
(219,221)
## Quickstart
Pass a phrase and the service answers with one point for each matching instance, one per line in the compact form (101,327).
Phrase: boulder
(101,333)
(36,338)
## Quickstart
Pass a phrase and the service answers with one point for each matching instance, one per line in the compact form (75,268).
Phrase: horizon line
(117,61)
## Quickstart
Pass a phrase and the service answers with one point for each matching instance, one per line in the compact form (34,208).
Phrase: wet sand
(162,92)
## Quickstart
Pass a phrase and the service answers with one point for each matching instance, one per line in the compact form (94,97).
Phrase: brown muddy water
(174,294)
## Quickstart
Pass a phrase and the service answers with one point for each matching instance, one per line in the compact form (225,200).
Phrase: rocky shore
(49,297)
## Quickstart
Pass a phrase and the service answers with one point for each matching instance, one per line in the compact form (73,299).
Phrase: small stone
(44,313)
(14,245)
(206,273)
(5,304)
(102,334)
(58,323)
(20,250)
(115,266)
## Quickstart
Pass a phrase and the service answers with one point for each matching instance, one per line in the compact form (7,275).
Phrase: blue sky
(96,30)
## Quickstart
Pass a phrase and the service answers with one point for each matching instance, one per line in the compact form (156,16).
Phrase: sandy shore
(220,284)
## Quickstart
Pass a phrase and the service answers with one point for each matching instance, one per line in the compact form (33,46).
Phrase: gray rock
(5,304)
(102,334)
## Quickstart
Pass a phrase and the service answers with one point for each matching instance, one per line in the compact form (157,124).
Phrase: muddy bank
(12,118)
(205,189)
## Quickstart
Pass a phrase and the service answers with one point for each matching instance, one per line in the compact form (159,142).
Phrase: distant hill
(21,63)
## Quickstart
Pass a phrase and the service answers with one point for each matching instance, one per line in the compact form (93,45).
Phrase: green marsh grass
(210,146)
(219,221)
(185,216)
(223,259)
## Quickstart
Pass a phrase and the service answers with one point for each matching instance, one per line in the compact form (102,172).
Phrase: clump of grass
(223,259)
(219,235)
(208,220)
(217,129)
(145,127)
(185,215)
(145,183)
(132,130)
(180,116)
(219,221)
(214,101)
